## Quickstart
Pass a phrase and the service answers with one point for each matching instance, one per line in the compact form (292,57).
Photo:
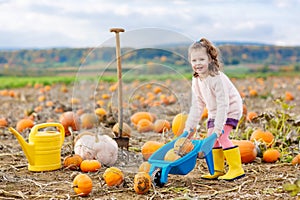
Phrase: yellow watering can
(43,148)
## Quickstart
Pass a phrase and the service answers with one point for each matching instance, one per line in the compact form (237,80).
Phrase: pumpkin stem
(72,136)
(96,138)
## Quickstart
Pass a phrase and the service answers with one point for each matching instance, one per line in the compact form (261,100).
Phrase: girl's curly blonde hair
(213,53)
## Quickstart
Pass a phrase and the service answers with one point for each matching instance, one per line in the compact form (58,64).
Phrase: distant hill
(233,53)
(237,43)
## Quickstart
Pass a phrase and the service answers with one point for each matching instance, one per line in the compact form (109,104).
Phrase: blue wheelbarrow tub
(182,166)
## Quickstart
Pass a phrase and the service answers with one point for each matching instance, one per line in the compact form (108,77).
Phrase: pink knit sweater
(219,96)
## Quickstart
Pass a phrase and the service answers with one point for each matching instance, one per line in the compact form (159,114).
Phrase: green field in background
(7,82)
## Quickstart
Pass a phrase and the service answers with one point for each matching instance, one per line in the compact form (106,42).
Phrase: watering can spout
(27,147)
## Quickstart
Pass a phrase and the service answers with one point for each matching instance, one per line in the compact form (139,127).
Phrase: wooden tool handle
(119,71)
(117,30)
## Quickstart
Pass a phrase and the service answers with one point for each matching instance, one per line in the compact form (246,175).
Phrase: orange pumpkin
(183,146)
(296,160)
(262,136)
(145,167)
(157,90)
(271,155)
(289,96)
(135,118)
(247,150)
(69,119)
(101,113)
(82,184)
(178,123)
(126,130)
(142,182)
(24,124)
(47,88)
(72,162)
(171,155)
(251,115)
(204,114)
(145,125)
(113,176)
(41,98)
(252,93)
(162,125)
(149,148)
(89,120)
(74,101)
(3,122)
(90,165)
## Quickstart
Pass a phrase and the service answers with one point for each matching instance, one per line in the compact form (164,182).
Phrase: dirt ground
(262,180)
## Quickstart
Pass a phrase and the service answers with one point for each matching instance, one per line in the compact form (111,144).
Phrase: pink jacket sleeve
(196,108)
(222,101)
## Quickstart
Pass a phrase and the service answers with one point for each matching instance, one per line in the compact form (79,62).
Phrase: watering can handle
(36,127)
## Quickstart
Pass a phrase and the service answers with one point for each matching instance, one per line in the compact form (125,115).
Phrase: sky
(87,23)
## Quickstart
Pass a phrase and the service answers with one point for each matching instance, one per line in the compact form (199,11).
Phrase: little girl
(212,89)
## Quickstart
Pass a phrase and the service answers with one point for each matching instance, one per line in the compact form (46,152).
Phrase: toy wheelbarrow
(160,168)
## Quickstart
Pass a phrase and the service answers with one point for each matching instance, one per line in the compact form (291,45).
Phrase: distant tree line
(177,56)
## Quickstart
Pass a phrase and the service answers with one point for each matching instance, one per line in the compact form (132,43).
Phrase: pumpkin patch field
(92,166)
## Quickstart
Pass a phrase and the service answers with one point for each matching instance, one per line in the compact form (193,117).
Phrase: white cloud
(87,23)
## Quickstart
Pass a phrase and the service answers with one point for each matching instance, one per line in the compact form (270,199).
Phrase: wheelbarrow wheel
(156,175)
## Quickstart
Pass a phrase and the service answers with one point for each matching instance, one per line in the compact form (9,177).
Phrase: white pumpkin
(100,147)
(84,147)
(106,150)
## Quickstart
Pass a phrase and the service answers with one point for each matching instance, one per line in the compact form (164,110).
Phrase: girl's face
(200,61)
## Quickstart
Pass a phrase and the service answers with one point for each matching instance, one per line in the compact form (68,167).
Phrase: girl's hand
(191,133)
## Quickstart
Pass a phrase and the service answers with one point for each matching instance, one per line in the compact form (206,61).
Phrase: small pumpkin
(161,125)
(90,165)
(24,124)
(3,122)
(247,150)
(93,146)
(262,136)
(136,117)
(183,146)
(296,160)
(82,185)
(145,125)
(204,114)
(126,130)
(171,155)
(113,176)
(271,155)
(142,182)
(74,101)
(69,119)
(72,162)
(178,123)
(145,167)
(101,113)
(252,93)
(288,96)
(251,115)
(150,147)
(89,120)
(157,90)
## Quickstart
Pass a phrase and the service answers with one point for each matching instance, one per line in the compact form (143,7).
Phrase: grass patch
(7,82)
(18,82)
